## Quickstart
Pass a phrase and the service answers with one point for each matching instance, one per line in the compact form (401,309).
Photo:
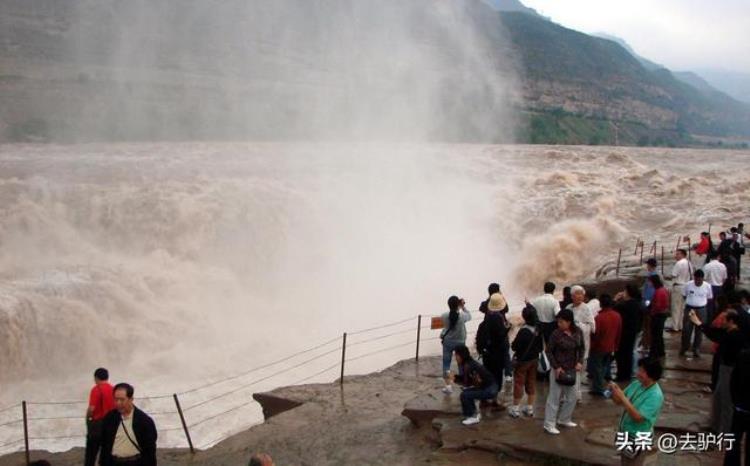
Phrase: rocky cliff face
(107,70)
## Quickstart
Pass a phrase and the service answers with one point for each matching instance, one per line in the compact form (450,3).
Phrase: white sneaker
(508,379)
(448,389)
(528,411)
(551,430)
(567,424)
(514,411)
(470,421)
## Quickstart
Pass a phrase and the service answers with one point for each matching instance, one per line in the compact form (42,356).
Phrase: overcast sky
(681,34)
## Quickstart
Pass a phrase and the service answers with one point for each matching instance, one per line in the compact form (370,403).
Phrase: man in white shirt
(584,319)
(696,294)
(716,275)
(547,308)
(682,273)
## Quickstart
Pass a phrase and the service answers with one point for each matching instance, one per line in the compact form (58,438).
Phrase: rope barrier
(380,351)
(162,413)
(202,421)
(335,366)
(170,429)
(54,403)
(8,408)
(9,423)
(11,443)
(59,437)
(382,337)
(242,387)
(55,418)
(380,327)
(265,366)
(157,397)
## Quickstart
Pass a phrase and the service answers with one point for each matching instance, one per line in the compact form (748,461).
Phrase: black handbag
(567,377)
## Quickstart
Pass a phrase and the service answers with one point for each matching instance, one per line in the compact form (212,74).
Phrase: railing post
(678,244)
(619,256)
(643,243)
(637,242)
(184,424)
(419,334)
(689,248)
(343,359)
(654,256)
(26,433)
(662,261)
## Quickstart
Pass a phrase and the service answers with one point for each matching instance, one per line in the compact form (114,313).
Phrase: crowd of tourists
(615,342)
(559,340)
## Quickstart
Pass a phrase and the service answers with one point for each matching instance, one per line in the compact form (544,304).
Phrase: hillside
(70,71)
(578,85)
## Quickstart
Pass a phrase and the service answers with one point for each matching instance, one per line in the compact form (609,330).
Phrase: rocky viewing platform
(399,417)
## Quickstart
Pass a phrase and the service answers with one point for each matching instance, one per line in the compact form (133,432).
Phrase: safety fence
(220,408)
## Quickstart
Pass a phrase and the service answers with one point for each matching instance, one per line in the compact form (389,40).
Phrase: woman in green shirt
(642,401)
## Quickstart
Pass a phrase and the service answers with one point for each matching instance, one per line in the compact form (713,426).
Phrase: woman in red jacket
(659,310)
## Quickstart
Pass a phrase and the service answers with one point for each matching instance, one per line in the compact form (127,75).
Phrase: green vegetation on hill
(578,88)
(560,127)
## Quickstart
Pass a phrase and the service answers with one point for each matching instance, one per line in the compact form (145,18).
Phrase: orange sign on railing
(436,323)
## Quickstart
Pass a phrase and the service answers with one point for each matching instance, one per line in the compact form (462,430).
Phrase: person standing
(715,275)
(526,348)
(740,390)
(648,295)
(480,385)
(567,299)
(494,288)
(584,320)
(701,250)
(491,289)
(565,353)
(453,335)
(492,339)
(737,249)
(642,402)
(604,343)
(630,307)
(547,308)
(731,264)
(593,303)
(731,342)
(682,273)
(128,434)
(658,311)
(101,402)
(696,294)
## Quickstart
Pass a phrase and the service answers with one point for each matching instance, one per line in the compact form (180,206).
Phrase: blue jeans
(599,363)
(470,395)
(448,347)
